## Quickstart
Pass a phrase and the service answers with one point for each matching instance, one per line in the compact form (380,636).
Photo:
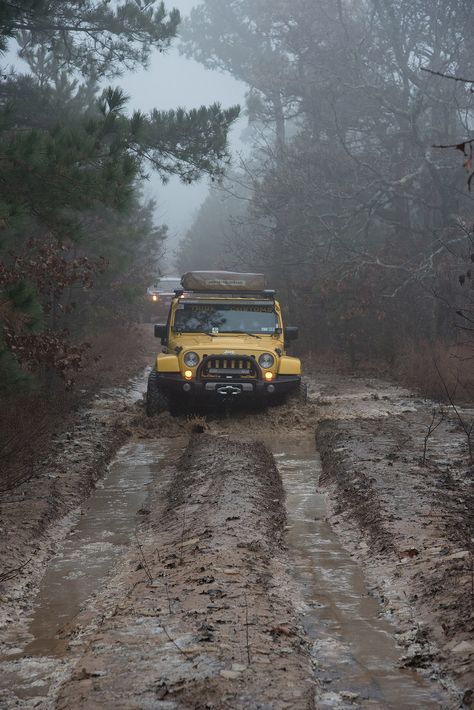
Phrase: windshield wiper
(242,332)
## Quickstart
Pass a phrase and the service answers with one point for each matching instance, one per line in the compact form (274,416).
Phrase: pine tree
(71,157)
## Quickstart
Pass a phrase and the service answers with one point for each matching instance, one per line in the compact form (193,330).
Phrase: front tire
(156,401)
(300,394)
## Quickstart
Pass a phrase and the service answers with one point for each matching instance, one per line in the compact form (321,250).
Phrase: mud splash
(354,651)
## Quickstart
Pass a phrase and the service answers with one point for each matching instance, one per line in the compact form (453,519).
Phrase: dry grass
(429,368)
(433,368)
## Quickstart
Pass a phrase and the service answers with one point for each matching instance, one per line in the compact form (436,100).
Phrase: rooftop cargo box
(222,281)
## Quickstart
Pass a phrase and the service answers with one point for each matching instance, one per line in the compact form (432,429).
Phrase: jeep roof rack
(222,281)
(265,293)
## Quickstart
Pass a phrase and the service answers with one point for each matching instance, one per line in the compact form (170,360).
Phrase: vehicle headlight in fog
(266,360)
(191,359)
(155,297)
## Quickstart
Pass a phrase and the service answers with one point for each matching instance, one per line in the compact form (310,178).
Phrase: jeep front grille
(214,366)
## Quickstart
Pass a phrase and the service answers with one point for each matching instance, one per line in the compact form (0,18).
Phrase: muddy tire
(156,400)
(300,394)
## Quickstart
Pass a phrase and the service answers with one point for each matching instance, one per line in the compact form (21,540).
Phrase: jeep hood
(231,343)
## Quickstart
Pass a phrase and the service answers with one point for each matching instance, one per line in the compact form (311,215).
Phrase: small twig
(19,482)
(182,534)
(432,428)
(168,596)
(453,77)
(144,560)
(11,573)
(247,641)
(471,557)
(171,639)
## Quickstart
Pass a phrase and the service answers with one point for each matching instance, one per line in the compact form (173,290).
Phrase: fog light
(187,387)
(271,389)
(188,374)
(269,376)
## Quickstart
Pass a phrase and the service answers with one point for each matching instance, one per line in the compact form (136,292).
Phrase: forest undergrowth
(29,423)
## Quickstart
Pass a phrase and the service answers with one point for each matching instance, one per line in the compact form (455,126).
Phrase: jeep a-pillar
(224,341)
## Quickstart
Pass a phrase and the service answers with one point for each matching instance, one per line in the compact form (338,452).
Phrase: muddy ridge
(412,533)
(180,591)
(207,619)
(32,514)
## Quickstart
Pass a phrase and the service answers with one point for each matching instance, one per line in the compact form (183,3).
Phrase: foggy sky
(172,81)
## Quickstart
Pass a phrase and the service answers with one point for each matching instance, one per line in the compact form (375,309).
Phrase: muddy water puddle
(354,652)
(102,533)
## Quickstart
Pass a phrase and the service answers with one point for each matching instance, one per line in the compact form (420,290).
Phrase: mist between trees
(78,245)
(344,199)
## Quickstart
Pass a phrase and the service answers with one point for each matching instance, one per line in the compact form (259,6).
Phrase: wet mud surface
(408,518)
(354,651)
(217,565)
(205,624)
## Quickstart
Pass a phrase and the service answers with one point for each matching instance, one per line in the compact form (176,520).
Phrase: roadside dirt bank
(53,457)
(35,516)
(409,523)
(206,617)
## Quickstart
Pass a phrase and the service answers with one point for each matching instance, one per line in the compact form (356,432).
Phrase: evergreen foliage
(93,36)
(77,241)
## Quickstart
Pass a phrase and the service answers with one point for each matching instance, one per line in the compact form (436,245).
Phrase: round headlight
(191,359)
(266,360)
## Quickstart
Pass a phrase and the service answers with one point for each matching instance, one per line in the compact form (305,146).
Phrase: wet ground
(122,595)
(354,649)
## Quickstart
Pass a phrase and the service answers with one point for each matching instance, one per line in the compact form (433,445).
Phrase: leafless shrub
(438,417)
(466,425)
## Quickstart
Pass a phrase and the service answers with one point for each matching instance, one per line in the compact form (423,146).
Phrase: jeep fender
(289,365)
(167,363)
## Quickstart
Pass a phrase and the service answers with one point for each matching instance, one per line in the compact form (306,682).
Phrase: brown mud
(410,523)
(216,600)
(204,624)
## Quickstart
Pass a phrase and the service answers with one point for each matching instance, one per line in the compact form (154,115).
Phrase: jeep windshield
(217,318)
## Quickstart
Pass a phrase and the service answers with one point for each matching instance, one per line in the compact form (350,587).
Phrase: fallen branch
(11,573)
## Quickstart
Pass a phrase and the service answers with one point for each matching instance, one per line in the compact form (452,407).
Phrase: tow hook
(228,390)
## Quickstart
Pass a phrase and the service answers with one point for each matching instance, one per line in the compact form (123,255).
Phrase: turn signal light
(269,376)
(188,374)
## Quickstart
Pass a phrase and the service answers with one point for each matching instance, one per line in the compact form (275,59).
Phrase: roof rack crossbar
(269,293)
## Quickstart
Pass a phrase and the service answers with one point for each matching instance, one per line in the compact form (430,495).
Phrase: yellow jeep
(224,342)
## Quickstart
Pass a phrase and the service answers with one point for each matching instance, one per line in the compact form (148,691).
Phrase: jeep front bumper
(175,385)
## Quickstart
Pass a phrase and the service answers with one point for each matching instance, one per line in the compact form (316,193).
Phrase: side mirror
(160,332)
(291,333)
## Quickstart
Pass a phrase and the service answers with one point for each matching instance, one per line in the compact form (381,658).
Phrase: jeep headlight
(191,359)
(266,360)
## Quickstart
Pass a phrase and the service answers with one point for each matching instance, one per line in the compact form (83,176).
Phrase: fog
(339,202)
(170,81)
(355,194)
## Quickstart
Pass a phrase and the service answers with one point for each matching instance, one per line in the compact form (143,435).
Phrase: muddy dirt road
(216,564)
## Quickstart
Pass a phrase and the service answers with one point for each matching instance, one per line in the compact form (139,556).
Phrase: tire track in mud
(210,617)
(414,540)
(203,612)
